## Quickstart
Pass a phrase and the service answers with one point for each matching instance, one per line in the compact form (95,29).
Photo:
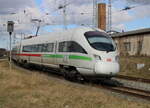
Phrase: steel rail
(133,78)
(130,91)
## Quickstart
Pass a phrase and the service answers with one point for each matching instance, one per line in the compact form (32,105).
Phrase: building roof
(132,33)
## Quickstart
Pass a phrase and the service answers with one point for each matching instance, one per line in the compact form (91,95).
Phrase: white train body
(90,52)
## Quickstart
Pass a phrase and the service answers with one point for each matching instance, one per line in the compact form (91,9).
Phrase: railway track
(133,78)
(134,82)
(138,87)
(130,91)
(3,60)
(119,89)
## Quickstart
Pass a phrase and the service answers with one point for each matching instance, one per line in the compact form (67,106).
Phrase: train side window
(34,48)
(62,47)
(40,46)
(75,47)
(44,49)
(31,48)
(27,49)
(50,47)
(14,49)
(24,49)
(71,46)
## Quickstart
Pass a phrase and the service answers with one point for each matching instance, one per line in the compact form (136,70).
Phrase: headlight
(97,57)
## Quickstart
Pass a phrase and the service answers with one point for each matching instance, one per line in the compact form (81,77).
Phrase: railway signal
(10,29)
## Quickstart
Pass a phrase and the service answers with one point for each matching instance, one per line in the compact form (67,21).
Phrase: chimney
(102,16)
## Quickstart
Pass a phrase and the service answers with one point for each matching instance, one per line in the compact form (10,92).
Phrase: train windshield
(100,41)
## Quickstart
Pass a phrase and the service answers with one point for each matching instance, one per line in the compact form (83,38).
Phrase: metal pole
(10,50)
(96,16)
(14,38)
(64,12)
(94,13)
(38,28)
(109,15)
(21,42)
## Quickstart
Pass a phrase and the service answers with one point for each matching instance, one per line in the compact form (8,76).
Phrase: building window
(140,45)
(127,46)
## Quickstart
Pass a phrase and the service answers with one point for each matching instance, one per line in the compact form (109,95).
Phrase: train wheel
(76,76)
(65,73)
(73,75)
(79,78)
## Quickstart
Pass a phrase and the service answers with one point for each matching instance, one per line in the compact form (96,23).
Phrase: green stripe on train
(70,57)
(53,55)
(80,57)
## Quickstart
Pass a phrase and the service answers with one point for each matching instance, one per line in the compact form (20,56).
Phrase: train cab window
(100,41)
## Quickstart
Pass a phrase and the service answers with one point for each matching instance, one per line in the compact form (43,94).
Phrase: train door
(18,52)
(62,52)
(62,55)
(35,55)
(66,53)
(49,54)
(57,55)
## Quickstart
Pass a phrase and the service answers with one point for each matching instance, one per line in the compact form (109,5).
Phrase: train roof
(58,35)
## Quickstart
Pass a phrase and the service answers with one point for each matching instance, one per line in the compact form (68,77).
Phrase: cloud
(8,6)
(121,16)
(119,27)
(77,7)
(142,11)
(142,2)
(22,21)
(24,11)
(55,16)
(74,10)
(75,15)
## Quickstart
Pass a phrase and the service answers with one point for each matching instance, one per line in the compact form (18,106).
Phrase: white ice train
(78,53)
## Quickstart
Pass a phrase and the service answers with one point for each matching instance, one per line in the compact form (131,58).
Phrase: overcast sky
(22,11)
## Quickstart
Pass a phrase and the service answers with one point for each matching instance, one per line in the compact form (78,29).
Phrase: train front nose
(107,68)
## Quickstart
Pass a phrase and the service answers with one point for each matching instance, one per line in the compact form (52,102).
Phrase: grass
(26,89)
(129,66)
